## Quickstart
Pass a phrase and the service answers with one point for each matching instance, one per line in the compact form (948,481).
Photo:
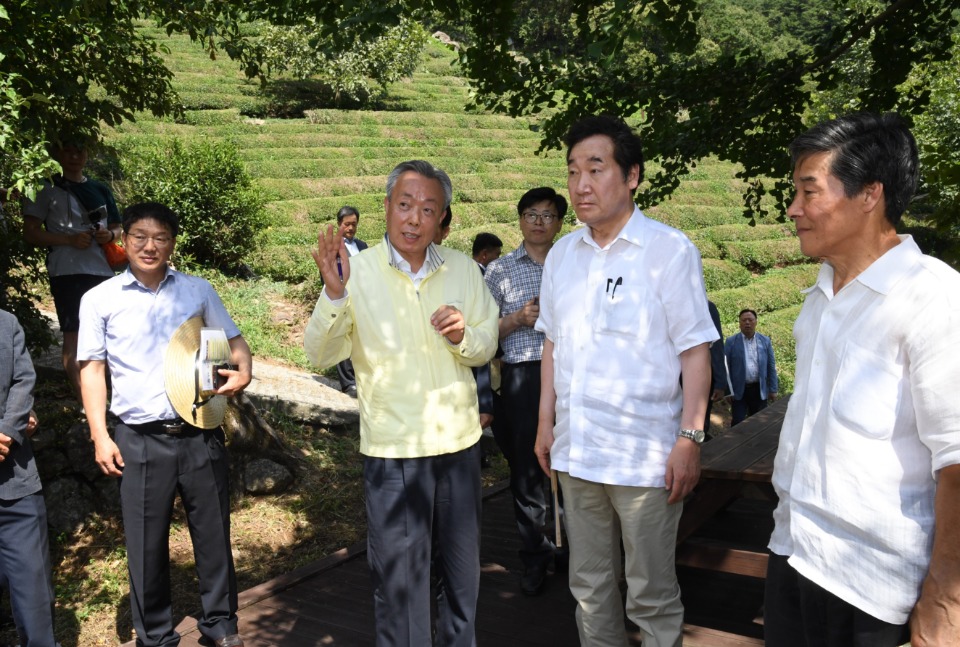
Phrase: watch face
(696,435)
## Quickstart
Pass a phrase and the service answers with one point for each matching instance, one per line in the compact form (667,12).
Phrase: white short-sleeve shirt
(619,317)
(873,416)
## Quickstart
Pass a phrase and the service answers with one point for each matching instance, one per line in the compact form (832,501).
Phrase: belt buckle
(173,427)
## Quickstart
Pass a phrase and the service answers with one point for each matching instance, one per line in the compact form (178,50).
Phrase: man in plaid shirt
(514,282)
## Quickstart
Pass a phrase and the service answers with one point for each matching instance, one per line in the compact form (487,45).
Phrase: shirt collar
(632,232)
(431,262)
(882,274)
(128,279)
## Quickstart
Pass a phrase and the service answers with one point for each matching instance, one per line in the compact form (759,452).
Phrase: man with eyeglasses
(624,311)
(126,324)
(514,282)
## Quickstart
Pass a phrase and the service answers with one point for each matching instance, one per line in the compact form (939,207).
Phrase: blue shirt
(125,323)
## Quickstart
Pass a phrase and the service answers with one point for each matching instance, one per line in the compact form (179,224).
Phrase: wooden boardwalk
(330,602)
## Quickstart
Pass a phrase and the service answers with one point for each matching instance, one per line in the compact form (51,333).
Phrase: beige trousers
(597,517)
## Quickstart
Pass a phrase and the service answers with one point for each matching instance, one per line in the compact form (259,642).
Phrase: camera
(97,217)
(218,380)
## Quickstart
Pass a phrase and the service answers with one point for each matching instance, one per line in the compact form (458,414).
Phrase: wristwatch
(696,435)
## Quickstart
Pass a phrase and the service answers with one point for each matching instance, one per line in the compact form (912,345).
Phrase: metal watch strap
(696,435)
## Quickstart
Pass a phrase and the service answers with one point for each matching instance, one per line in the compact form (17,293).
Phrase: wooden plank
(334,604)
(715,557)
(694,636)
(746,451)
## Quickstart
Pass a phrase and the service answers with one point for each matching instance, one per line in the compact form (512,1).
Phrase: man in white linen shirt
(866,536)
(624,311)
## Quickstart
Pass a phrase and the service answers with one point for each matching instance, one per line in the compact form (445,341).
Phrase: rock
(108,494)
(69,503)
(303,396)
(78,448)
(51,464)
(263,476)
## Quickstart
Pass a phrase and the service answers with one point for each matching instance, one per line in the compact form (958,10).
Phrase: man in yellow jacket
(415,321)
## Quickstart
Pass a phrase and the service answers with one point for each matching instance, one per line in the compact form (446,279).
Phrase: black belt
(173,427)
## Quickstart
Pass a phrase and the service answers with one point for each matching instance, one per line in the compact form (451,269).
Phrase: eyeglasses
(533,216)
(139,240)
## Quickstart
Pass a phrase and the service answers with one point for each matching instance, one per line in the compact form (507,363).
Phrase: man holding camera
(73,217)
(163,446)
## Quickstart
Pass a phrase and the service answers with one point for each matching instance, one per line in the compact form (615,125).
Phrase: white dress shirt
(873,416)
(619,317)
(351,245)
(752,360)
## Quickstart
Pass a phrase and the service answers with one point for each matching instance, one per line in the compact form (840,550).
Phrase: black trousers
(516,435)
(799,613)
(157,466)
(750,404)
(346,375)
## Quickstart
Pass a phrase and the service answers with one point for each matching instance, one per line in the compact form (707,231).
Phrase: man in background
(720,379)
(72,216)
(753,370)
(514,282)
(486,248)
(415,317)
(348,219)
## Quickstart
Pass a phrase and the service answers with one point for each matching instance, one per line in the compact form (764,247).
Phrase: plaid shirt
(513,280)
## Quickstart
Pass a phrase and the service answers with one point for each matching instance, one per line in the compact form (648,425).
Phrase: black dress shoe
(531,582)
(231,640)
(351,391)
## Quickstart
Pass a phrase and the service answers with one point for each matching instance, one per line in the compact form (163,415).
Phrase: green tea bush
(723,275)
(221,211)
(762,254)
(775,290)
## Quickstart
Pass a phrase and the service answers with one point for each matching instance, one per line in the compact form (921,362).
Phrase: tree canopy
(738,80)
(736,96)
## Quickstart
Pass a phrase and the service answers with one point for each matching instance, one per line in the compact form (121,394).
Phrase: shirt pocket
(868,392)
(622,311)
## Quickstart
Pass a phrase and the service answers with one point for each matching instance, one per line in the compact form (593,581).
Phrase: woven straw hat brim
(180,378)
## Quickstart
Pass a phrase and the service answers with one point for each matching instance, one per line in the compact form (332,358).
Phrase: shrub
(221,212)
(721,275)
(775,290)
(762,254)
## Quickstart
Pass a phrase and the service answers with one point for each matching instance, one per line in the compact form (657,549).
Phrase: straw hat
(182,378)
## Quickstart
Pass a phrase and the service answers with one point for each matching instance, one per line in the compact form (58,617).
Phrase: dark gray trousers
(25,567)
(414,505)
(157,466)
